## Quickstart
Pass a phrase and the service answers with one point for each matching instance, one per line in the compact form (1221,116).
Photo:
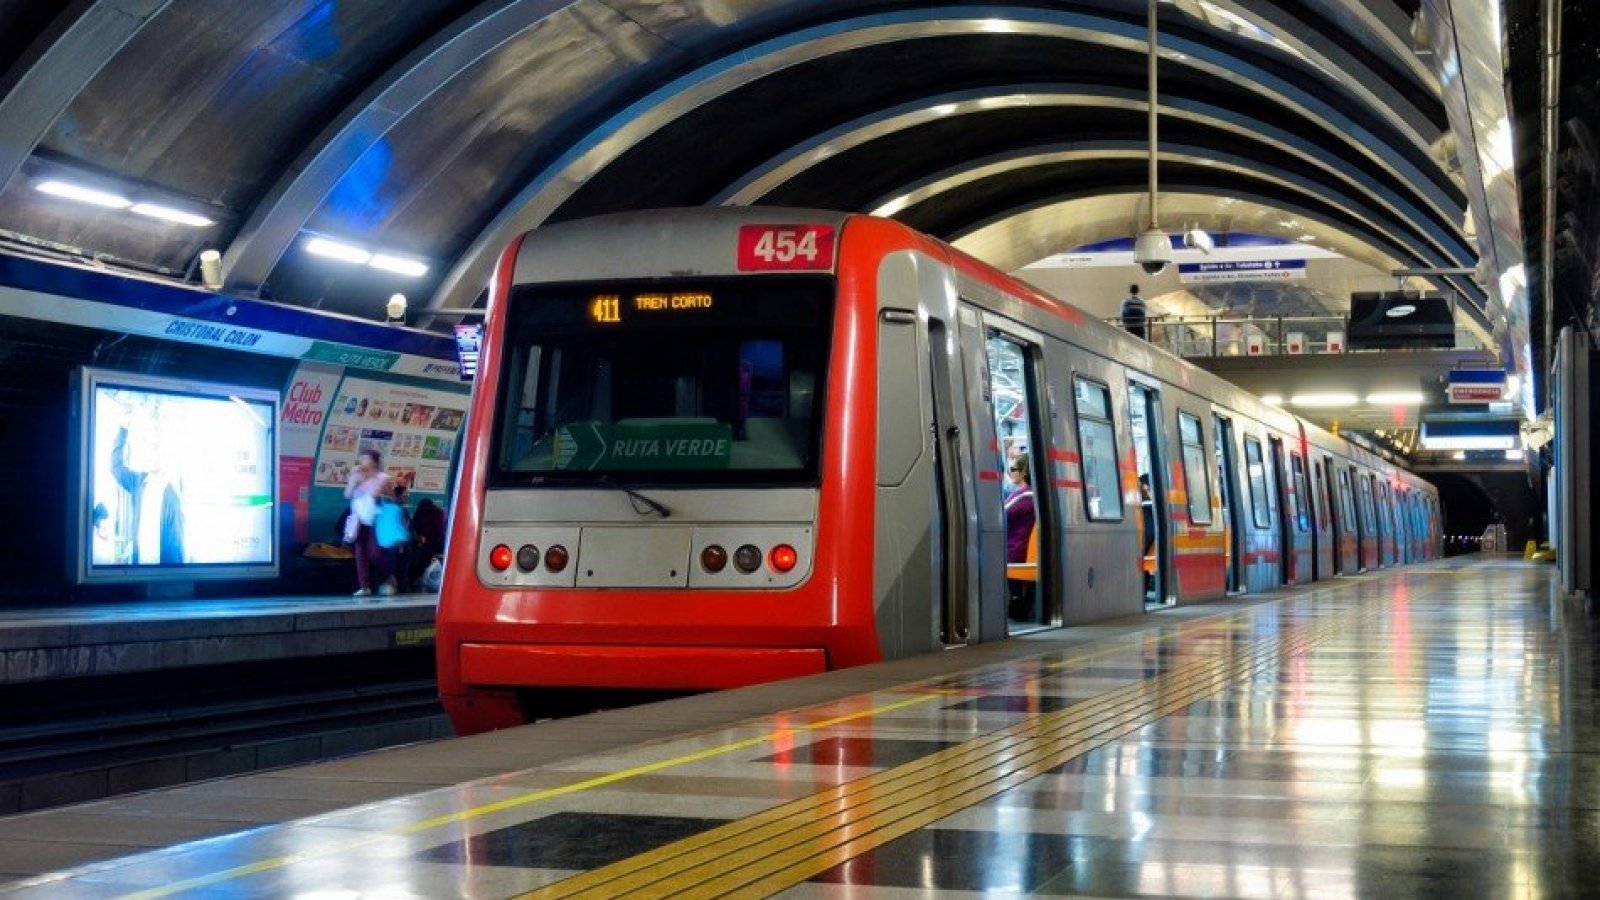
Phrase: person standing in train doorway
(367,483)
(1135,317)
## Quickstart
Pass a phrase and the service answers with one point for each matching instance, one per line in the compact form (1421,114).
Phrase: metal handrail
(1194,336)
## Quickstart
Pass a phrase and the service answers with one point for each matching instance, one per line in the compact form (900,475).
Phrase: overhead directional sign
(1477,385)
(592,446)
(1242,270)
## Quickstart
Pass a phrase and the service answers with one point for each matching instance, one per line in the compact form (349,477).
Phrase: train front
(656,492)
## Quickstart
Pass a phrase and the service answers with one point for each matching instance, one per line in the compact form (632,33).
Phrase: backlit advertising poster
(178,479)
(413,429)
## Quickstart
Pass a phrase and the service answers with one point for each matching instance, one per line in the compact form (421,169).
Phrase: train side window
(1256,468)
(1302,519)
(1097,445)
(1194,460)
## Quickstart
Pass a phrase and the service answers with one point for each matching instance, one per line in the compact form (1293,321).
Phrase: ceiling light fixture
(1272,399)
(78,192)
(320,246)
(1396,398)
(1324,401)
(399,265)
(168,214)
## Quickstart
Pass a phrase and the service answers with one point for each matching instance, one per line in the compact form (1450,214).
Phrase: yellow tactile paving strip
(765,853)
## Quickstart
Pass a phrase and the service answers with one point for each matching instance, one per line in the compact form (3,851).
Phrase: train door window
(1302,494)
(1331,518)
(1196,476)
(1012,390)
(1228,485)
(1256,473)
(1368,518)
(1347,503)
(1145,425)
(1324,499)
(1102,483)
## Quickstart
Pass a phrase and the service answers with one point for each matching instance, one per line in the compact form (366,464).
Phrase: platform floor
(1426,731)
(47,643)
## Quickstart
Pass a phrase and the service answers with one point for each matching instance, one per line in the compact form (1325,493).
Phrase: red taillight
(500,558)
(555,558)
(783,557)
(713,559)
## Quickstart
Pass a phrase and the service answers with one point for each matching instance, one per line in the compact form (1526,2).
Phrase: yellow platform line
(794,838)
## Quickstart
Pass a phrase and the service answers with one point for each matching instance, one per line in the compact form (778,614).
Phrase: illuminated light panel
(319,246)
(400,265)
(1476,442)
(168,214)
(1396,398)
(1514,453)
(1272,399)
(1324,401)
(78,192)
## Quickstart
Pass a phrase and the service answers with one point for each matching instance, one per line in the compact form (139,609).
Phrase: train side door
(1144,414)
(1286,513)
(955,526)
(1328,520)
(1228,479)
(1022,430)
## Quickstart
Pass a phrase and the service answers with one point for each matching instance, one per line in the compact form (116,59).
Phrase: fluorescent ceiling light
(319,246)
(1478,442)
(398,264)
(83,194)
(1514,453)
(1324,400)
(168,214)
(1272,399)
(1396,398)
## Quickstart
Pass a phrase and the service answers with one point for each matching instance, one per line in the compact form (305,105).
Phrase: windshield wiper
(635,499)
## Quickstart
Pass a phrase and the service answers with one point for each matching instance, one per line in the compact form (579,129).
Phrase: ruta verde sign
(592,446)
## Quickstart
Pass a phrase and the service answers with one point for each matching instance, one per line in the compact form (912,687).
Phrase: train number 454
(769,247)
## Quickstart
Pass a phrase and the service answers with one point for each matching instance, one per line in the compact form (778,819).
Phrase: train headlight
(713,559)
(555,559)
(783,557)
(500,558)
(527,557)
(747,558)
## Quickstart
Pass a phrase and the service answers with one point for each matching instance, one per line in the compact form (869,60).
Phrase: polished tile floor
(1429,731)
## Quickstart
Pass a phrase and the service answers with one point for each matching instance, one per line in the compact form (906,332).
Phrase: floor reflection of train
(716,447)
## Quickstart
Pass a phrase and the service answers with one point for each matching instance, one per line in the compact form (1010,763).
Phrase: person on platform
(366,485)
(427,537)
(1135,316)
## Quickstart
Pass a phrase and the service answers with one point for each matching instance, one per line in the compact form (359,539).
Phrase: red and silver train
(714,447)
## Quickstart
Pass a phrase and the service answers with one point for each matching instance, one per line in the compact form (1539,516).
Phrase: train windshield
(709,382)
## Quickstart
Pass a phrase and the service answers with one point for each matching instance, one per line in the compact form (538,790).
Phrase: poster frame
(81,418)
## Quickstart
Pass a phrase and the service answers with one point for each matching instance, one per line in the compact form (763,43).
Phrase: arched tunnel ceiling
(423,130)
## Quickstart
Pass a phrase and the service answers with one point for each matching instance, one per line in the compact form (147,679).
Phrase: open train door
(1280,479)
(1149,445)
(1228,479)
(1028,513)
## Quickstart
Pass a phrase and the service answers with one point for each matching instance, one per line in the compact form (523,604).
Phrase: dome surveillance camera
(396,307)
(1152,250)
